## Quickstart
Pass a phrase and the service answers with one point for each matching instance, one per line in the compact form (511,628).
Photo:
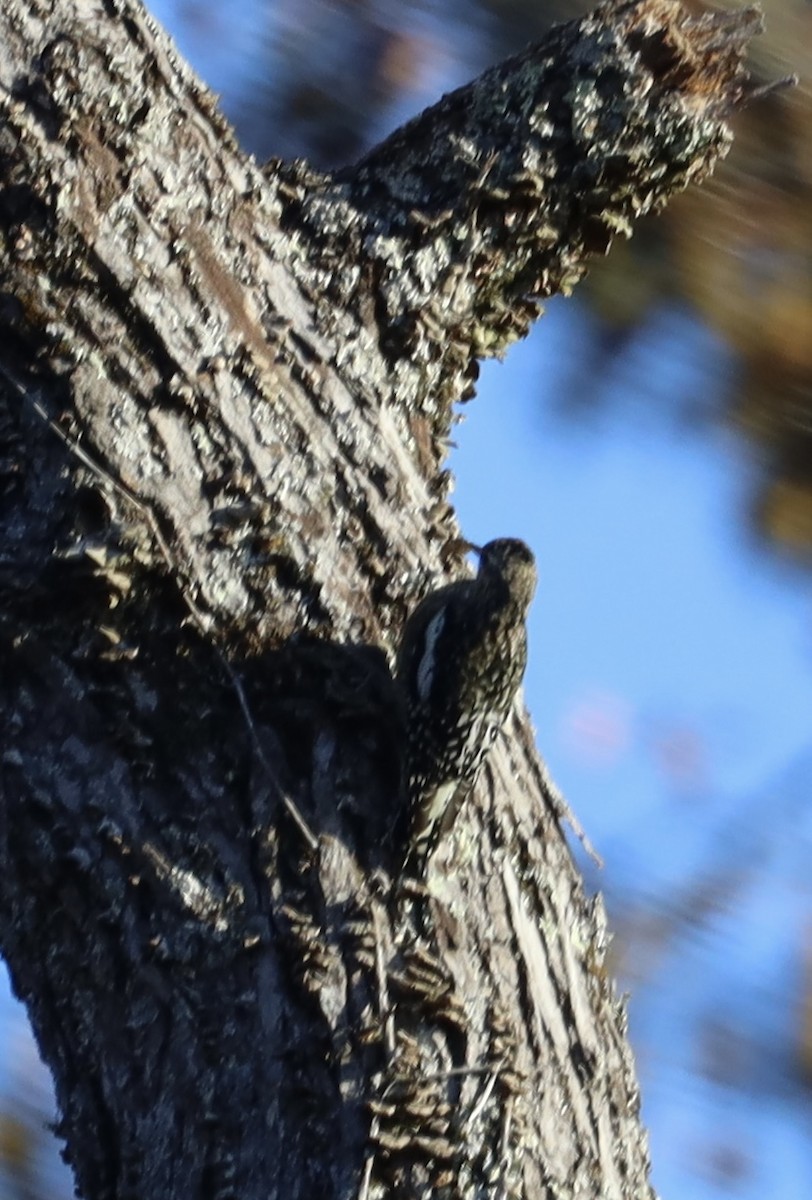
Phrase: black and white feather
(460,663)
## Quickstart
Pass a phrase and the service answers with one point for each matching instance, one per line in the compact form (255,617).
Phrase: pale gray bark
(226,399)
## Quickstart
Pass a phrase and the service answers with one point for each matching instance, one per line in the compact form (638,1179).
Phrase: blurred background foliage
(325,79)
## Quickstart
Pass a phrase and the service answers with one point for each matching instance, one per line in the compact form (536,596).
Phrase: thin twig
(503,1155)
(483,1098)
(386,1014)
(368,1163)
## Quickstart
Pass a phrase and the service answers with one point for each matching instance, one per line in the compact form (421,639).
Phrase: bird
(460,663)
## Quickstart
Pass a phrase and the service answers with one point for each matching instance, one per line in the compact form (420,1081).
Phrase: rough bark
(226,392)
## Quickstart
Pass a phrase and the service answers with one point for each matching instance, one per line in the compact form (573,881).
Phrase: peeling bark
(226,392)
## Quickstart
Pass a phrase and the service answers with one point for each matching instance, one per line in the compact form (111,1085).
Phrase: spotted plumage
(460,663)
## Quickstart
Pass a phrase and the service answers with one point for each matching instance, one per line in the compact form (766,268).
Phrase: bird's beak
(470,547)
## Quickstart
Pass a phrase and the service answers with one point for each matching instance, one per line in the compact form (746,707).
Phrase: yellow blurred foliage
(16,1143)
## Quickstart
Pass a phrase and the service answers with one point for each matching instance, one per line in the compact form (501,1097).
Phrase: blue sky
(652,592)
(670,684)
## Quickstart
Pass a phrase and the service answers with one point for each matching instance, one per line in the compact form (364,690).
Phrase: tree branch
(462,222)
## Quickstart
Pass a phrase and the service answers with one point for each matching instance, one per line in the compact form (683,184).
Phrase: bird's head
(509,561)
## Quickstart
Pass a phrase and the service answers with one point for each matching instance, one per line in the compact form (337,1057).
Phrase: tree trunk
(226,395)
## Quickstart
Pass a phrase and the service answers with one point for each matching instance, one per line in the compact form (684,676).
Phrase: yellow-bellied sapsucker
(460,663)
